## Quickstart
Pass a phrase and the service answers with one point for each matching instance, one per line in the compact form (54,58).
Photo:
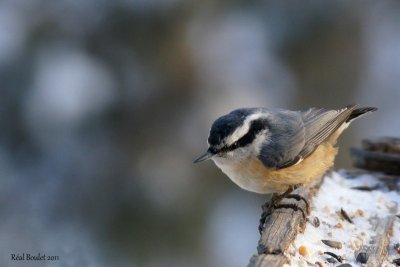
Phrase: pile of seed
(339,227)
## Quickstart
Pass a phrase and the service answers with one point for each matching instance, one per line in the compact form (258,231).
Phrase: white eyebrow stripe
(243,129)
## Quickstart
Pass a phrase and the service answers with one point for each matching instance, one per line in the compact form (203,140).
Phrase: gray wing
(295,135)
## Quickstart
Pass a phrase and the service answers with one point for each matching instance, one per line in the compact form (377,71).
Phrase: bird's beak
(204,157)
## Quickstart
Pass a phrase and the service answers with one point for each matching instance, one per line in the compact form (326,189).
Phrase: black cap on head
(226,125)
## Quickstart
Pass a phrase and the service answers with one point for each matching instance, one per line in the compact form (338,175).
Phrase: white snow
(334,194)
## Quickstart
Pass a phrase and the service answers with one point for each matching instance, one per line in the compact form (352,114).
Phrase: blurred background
(104,105)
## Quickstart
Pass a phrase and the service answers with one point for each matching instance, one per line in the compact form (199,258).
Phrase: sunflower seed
(331,260)
(336,257)
(315,222)
(362,257)
(366,188)
(332,244)
(345,216)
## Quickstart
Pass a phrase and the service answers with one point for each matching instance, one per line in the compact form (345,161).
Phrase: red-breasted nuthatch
(272,150)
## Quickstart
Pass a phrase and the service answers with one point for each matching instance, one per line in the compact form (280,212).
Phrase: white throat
(230,163)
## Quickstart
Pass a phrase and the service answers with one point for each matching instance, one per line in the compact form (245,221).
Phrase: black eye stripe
(255,128)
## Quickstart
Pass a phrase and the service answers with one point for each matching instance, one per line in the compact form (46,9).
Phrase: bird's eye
(212,150)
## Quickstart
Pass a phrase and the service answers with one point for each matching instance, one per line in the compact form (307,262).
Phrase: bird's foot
(293,207)
(299,198)
(269,206)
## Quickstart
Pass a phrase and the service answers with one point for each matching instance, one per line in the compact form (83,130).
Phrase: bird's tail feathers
(360,112)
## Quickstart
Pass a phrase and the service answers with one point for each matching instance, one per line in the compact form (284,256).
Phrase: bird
(274,151)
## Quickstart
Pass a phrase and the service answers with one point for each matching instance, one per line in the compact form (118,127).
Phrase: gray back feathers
(294,135)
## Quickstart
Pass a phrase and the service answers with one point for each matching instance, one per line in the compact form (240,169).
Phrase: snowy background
(105,104)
